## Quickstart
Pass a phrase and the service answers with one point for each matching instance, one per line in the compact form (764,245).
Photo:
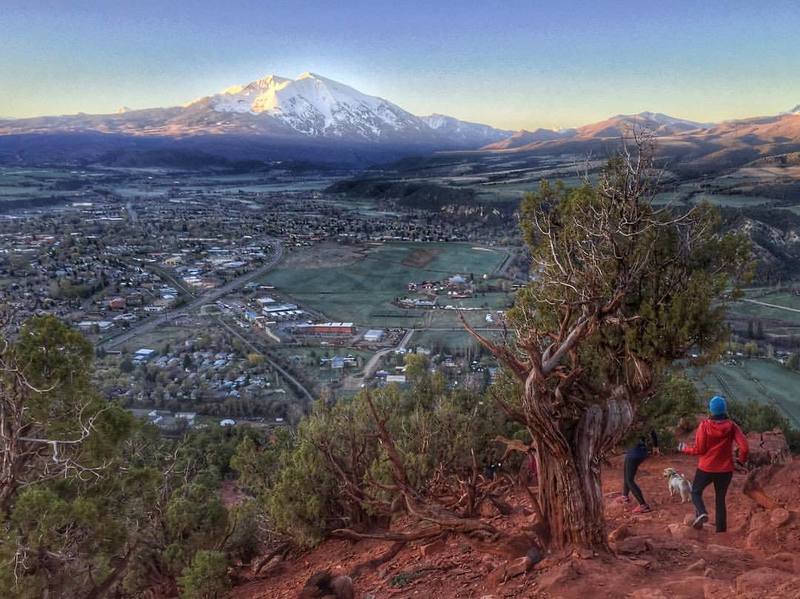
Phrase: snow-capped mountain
(317,106)
(276,110)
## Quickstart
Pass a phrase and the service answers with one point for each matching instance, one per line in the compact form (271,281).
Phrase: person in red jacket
(714,444)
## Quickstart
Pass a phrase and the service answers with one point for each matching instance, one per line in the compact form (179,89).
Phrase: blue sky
(509,63)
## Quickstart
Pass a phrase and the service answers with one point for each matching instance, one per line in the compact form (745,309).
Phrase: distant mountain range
(689,146)
(313,118)
(308,118)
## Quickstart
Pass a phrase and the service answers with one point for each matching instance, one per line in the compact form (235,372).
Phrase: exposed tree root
(279,552)
(398,537)
(381,559)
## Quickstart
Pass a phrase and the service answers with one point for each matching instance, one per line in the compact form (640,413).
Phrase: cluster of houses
(457,287)
(219,375)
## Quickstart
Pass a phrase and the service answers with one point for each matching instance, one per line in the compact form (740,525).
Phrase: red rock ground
(658,557)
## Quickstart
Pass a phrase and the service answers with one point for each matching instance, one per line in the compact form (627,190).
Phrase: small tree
(620,291)
(48,409)
(206,577)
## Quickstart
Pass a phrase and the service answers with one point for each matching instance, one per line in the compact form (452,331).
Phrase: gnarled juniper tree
(619,291)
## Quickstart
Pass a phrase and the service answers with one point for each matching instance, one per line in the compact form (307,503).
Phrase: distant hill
(690,146)
(523,138)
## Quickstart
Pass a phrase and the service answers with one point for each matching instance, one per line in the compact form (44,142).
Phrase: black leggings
(630,486)
(721,482)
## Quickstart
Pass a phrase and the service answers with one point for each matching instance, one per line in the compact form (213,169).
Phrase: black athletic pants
(722,481)
(630,486)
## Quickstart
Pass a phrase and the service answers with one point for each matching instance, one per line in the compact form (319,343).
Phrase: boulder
(769,447)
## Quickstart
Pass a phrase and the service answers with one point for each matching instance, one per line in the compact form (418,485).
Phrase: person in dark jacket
(714,444)
(634,457)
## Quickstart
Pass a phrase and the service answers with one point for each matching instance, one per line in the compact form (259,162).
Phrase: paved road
(206,298)
(372,364)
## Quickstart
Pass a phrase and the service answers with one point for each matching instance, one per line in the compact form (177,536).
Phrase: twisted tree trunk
(571,502)
(570,491)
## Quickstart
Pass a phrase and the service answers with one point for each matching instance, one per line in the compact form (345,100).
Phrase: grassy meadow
(363,291)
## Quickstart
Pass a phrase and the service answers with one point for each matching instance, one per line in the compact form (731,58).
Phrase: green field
(362,292)
(779,301)
(732,200)
(765,381)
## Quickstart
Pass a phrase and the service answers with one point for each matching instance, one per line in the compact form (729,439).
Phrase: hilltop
(657,555)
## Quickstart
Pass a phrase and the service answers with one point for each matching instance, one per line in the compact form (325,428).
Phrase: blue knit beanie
(717,406)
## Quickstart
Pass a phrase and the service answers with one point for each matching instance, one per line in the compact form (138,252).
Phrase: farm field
(363,291)
(455,340)
(760,380)
(732,200)
(782,308)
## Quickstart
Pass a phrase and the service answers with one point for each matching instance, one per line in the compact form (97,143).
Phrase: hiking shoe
(699,521)
(641,509)
(623,499)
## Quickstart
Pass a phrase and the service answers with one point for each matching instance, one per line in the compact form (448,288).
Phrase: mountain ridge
(312,116)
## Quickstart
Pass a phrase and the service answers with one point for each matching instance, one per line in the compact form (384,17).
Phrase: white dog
(677,483)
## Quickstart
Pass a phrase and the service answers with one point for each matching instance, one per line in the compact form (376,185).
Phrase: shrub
(206,577)
(754,416)
(300,481)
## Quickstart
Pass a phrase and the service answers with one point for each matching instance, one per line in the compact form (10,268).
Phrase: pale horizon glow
(511,64)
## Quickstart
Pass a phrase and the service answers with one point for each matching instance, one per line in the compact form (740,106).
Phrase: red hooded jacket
(713,442)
